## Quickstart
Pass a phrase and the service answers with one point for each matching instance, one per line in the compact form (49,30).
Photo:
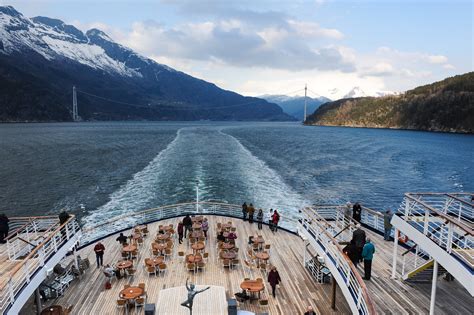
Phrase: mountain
(42,58)
(446,105)
(294,105)
(358,92)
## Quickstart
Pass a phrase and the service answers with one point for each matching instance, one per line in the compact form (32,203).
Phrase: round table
(258,240)
(136,236)
(228,255)
(226,225)
(197,219)
(131,293)
(129,248)
(198,246)
(252,285)
(140,227)
(194,259)
(197,225)
(227,246)
(166,228)
(124,264)
(163,237)
(262,256)
(159,246)
(52,310)
(152,262)
(196,234)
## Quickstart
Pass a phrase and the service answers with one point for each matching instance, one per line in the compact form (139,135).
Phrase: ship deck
(297,290)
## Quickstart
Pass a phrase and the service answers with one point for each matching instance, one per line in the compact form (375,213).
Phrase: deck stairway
(34,246)
(423,273)
(440,227)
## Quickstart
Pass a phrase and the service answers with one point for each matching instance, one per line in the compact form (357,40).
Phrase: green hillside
(447,105)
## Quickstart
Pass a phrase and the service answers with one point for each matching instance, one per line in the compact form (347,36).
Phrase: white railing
(128,221)
(23,272)
(440,222)
(315,227)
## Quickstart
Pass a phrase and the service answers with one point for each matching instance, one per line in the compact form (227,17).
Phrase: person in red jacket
(274,279)
(180,232)
(99,249)
(275,219)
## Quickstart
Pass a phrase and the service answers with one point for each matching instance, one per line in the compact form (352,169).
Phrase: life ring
(402,239)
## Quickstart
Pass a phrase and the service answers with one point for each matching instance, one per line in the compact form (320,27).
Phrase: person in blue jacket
(368,254)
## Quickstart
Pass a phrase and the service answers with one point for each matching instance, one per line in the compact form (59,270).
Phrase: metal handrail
(23,272)
(353,280)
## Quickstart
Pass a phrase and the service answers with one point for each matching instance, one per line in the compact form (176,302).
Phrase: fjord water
(116,168)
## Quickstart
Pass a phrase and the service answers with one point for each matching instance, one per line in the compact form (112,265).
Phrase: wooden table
(166,228)
(228,255)
(226,225)
(159,246)
(262,256)
(196,234)
(152,262)
(129,248)
(52,310)
(124,264)
(258,240)
(136,236)
(197,225)
(194,258)
(163,237)
(227,246)
(131,293)
(140,227)
(198,246)
(252,285)
(197,219)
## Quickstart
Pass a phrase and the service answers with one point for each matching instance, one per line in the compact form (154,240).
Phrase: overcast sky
(275,47)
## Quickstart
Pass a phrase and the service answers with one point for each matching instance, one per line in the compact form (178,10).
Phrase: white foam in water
(218,163)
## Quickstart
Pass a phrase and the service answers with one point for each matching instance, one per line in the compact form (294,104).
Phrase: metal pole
(304,116)
(197,197)
(38,301)
(395,246)
(333,301)
(433,287)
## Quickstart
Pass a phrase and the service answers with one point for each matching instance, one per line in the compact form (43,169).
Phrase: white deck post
(395,247)
(433,287)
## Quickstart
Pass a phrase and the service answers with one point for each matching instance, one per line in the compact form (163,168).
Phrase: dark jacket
(4,223)
(99,249)
(244,208)
(180,229)
(359,238)
(387,217)
(260,215)
(356,212)
(351,251)
(274,278)
(310,313)
(122,239)
(63,217)
(187,221)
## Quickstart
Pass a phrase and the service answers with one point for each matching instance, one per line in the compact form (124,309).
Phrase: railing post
(449,242)
(403,264)
(68,236)
(41,256)
(407,208)
(11,292)
(26,271)
(395,247)
(433,287)
(426,222)
(359,297)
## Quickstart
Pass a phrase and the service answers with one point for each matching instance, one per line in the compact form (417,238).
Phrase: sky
(276,47)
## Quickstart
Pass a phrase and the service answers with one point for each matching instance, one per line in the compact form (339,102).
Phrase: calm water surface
(114,168)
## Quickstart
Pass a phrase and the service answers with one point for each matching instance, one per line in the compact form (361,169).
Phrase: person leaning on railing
(387,217)
(4,228)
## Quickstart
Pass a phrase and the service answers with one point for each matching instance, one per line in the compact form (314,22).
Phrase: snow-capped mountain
(294,105)
(42,58)
(355,92)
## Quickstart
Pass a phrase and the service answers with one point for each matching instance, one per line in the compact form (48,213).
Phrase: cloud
(437,59)
(379,69)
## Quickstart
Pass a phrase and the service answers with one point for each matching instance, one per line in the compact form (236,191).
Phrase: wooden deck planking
(296,292)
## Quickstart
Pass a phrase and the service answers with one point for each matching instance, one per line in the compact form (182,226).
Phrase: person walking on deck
(260,218)
(310,311)
(122,239)
(387,217)
(99,249)
(275,219)
(188,225)
(251,211)
(359,239)
(269,219)
(244,211)
(180,232)
(368,255)
(4,228)
(205,227)
(357,212)
(274,279)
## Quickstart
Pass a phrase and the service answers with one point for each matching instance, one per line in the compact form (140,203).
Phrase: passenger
(221,237)
(188,225)
(347,211)
(260,218)
(109,272)
(275,219)
(251,211)
(122,239)
(274,279)
(387,217)
(232,236)
(244,211)
(4,228)
(351,251)
(63,217)
(269,219)
(205,227)
(359,239)
(357,212)
(180,232)
(309,311)
(368,255)
(99,254)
